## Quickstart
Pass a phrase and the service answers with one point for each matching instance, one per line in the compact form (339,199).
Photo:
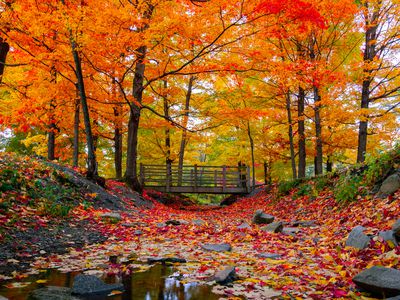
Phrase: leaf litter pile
(307,260)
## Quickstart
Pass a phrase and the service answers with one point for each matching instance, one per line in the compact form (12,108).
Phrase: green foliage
(56,209)
(10,180)
(322,182)
(286,186)
(304,189)
(347,188)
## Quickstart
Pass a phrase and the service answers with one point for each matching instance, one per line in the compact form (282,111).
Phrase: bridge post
(168,179)
(141,174)
(249,188)
(223,178)
(195,178)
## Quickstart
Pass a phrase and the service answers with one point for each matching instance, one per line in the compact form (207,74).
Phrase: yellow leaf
(114,293)
(41,281)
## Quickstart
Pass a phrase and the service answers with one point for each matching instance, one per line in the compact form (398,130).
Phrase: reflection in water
(153,284)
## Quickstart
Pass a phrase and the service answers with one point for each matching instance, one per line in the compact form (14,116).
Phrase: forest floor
(306,260)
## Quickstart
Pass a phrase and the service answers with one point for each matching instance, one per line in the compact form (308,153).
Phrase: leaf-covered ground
(313,262)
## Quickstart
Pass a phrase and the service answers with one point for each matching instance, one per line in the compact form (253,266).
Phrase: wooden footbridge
(197,179)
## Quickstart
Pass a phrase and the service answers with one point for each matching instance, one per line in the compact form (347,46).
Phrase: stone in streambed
(269,255)
(89,284)
(379,281)
(244,225)
(358,239)
(163,260)
(388,236)
(260,217)
(396,229)
(225,276)
(217,247)
(111,215)
(51,292)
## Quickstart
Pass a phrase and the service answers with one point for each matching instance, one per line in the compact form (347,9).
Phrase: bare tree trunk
(290,134)
(318,133)
(372,23)
(329,164)
(168,160)
(76,133)
(118,141)
(133,123)
(302,136)
(253,163)
(184,132)
(51,135)
(4,48)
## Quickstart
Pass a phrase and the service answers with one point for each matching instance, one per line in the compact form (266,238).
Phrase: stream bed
(154,284)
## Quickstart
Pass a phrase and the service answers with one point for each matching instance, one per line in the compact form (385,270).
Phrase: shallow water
(153,284)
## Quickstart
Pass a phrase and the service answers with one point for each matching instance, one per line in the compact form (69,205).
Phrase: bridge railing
(196,179)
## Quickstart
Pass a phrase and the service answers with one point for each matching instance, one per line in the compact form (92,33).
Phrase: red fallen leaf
(202,269)
(339,293)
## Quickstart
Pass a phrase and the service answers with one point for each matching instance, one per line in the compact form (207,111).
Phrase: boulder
(388,236)
(379,281)
(111,215)
(273,227)
(199,222)
(269,255)
(260,217)
(225,276)
(310,223)
(89,285)
(358,239)
(51,292)
(291,230)
(244,225)
(163,260)
(3,298)
(389,186)
(173,222)
(217,247)
(138,232)
(396,229)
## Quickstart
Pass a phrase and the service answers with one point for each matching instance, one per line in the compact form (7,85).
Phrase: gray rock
(161,225)
(89,284)
(111,215)
(357,238)
(396,228)
(217,247)
(138,232)
(389,186)
(173,222)
(199,222)
(226,276)
(244,225)
(51,293)
(291,230)
(273,227)
(3,298)
(310,223)
(379,281)
(261,217)
(393,298)
(388,236)
(163,260)
(269,255)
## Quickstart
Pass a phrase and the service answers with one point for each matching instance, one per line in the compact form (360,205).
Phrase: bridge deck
(196,179)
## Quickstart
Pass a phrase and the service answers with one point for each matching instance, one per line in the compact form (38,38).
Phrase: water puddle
(153,284)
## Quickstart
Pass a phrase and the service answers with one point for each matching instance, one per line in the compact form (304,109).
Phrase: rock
(291,230)
(225,276)
(217,247)
(273,227)
(163,260)
(389,186)
(261,217)
(111,215)
(379,281)
(161,225)
(4,298)
(138,232)
(229,200)
(269,255)
(244,225)
(51,292)
(173,222)
(393,298)
(199,222)
(396,228)
(89,284)
(310,223)
(357,238)
(388,236)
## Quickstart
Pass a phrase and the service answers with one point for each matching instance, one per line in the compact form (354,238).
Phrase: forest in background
(300,85)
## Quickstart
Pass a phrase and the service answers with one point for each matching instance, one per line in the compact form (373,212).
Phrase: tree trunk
(253,163)
(302,136)
(118,141)
(369,55)
(290,134)
(4,48)
(76,133)
(184,132)
(134,119)
(329,164)
(51,136)
(91,161)
(318,133)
